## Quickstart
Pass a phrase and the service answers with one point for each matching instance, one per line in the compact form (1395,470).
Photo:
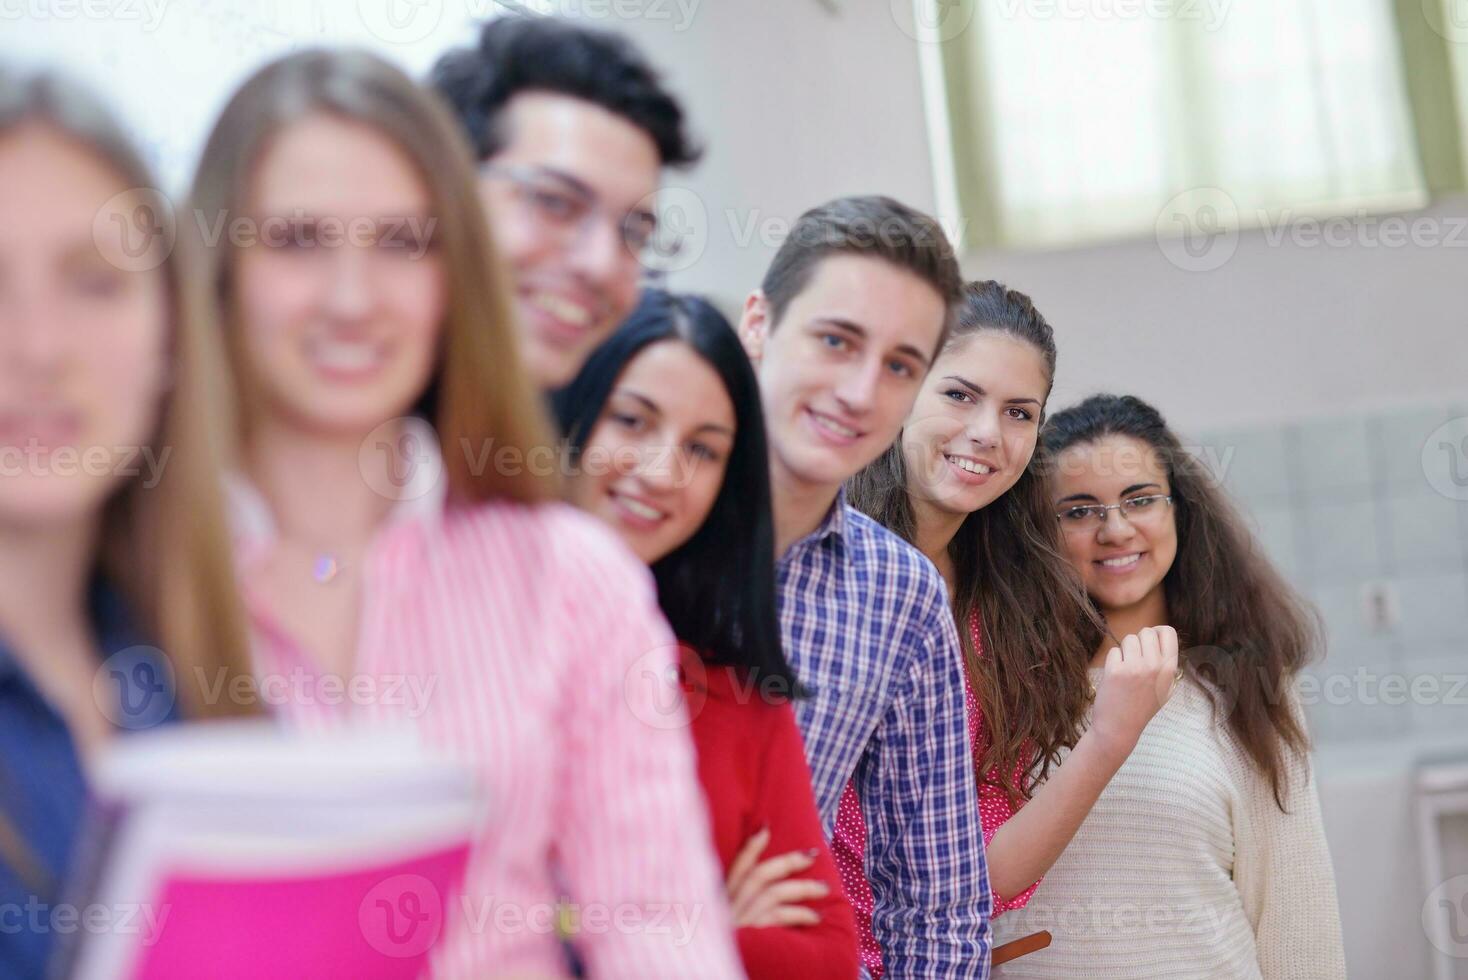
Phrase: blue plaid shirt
(867,627)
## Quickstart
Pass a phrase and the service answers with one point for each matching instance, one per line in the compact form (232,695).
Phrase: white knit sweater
(1187,870)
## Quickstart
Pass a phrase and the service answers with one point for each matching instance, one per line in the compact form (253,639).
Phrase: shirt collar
(833,525)
(420,500)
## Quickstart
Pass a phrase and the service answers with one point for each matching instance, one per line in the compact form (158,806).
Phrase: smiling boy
(850,315)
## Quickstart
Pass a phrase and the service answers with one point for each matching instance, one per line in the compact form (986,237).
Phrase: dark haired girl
(965,484)
(1210,834)
(666,430)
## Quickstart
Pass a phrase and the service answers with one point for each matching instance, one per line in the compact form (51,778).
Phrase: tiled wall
(1355,506)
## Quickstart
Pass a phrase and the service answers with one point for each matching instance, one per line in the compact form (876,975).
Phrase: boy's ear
(754,325)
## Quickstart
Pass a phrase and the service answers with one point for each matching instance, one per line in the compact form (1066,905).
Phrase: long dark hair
(1009,567)
(1242,627)
(718,589)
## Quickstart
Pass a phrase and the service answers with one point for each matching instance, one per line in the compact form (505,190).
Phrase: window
(1076,120)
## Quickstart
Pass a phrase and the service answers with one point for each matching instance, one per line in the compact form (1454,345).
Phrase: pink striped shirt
(527,643)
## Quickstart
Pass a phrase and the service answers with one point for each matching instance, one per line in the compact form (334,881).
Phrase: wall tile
(1335,459)
(1341,541)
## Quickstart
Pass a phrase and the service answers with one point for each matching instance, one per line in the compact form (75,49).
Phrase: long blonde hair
(479,390)
(165,546)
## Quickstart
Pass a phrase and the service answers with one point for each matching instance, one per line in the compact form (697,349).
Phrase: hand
(1137,681)
(762,893)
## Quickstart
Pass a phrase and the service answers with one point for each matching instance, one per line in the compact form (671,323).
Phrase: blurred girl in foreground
(396,526)
(117,606)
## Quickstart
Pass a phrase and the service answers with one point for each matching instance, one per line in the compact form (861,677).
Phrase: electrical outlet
(1380,608)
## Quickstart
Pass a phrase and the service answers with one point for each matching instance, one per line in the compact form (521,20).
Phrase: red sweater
(751,762)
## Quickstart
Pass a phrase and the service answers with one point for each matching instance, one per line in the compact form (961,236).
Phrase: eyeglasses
(1138,511)
(572,209)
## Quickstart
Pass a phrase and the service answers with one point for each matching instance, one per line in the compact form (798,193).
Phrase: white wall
(1281,331)
(801,105)
(798,104)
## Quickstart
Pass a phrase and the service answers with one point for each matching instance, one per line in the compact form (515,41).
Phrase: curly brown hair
(1244,631)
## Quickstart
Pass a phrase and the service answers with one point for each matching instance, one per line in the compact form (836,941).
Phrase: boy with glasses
(572,128)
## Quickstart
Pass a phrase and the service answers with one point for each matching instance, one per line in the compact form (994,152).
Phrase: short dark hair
(875,226)
(519,53)
(717,590)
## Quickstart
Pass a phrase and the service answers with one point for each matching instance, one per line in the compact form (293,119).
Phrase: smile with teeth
(1124,561)
(969,465)
(351,356)
(562,309)
(637,508)
(832,426)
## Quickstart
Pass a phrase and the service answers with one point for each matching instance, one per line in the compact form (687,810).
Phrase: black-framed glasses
(1084,518)
(571,207)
